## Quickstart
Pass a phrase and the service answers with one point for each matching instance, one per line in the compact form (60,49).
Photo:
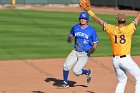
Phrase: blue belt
(81,51)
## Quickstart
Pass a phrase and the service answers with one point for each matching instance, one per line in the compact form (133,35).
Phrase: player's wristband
(91,13)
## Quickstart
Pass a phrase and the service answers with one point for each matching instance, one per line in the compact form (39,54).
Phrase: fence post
(116,4)
(13,3)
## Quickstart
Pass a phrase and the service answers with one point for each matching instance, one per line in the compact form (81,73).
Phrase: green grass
(27,34)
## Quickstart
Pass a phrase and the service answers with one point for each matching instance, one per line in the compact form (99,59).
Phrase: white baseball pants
(121,65)
(76,59)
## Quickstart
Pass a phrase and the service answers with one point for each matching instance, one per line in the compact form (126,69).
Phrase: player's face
(83,21)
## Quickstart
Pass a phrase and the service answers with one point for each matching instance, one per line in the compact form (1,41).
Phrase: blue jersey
(84,37)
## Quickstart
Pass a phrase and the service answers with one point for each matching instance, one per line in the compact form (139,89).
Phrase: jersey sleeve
(134,23)
(108,27)
(131,27)
(94,37)
(71,32)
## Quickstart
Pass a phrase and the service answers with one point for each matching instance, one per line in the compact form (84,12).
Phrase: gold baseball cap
(121,17)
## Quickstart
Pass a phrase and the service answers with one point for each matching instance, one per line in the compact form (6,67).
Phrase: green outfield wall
(134,4)
(5,1)
(103,2)
(40,1)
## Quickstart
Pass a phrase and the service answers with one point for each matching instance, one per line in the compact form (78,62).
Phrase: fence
(40,1)
(134,4)
(103,2)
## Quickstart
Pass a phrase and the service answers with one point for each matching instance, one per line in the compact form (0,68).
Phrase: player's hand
(69,40)
(90,51)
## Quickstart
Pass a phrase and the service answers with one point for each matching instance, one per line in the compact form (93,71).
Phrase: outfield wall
(103,2)
(40,1)
(134,4)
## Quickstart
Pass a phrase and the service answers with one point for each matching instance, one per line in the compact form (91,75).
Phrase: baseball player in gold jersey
(120,37)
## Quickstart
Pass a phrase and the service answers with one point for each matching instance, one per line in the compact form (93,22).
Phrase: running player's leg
(70,61)
(82,60)
(79,66)
(121,75)
(134,70)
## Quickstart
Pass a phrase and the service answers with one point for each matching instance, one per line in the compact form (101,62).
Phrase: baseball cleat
(89,77)
(64,85)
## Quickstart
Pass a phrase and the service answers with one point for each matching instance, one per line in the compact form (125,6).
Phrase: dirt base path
(44,75)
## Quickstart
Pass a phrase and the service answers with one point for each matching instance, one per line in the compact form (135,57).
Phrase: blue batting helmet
(84,15)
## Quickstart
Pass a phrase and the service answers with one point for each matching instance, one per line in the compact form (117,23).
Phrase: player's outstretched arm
(137,18)
(96,18)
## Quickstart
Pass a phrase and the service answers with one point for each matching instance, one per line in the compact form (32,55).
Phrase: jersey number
(122,39)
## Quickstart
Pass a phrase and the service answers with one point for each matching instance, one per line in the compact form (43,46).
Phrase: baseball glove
(84,3)
(90,51)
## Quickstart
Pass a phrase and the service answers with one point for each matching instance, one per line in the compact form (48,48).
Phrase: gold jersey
(120,38)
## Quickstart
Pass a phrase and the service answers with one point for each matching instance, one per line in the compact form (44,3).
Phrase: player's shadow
(58,82)
(38,92)
(90,92)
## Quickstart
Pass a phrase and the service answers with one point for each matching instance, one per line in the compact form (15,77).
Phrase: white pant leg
(70,60)
(121,84)
(137,86)
(134,70)
(121,75)
(82,60)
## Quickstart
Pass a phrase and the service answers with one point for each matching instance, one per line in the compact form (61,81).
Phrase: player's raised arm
(96,18)
(85,5)
(137,18)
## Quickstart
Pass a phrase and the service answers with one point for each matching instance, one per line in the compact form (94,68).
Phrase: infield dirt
(44,75)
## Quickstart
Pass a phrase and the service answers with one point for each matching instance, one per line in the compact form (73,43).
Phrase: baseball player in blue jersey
(86,42)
